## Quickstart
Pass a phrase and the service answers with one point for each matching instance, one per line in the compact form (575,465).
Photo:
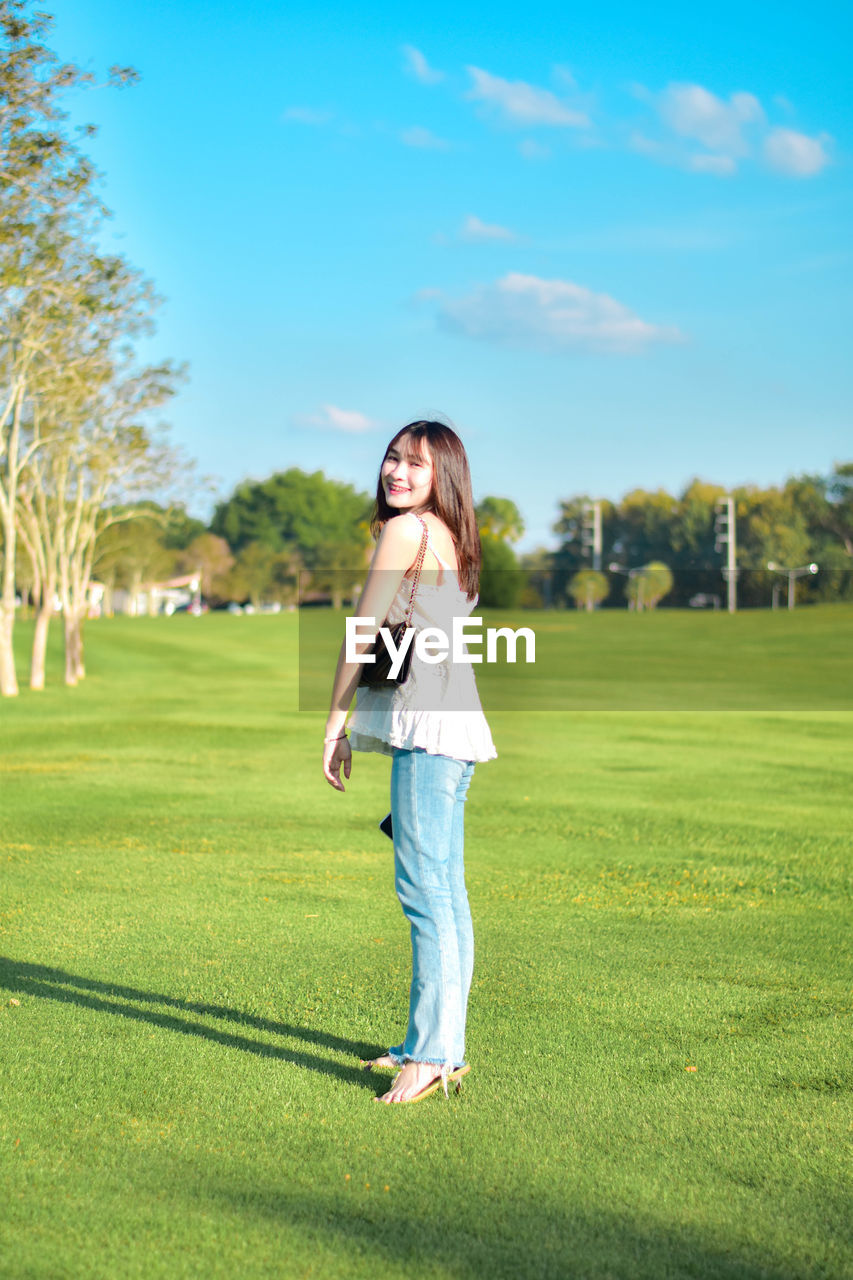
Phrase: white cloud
(554,315)
(418,66)
(694,112)
(522,103)
(423,138)
(730,130)
(795,153)
(307,115)
(474,229)
(332,418)
(704,162)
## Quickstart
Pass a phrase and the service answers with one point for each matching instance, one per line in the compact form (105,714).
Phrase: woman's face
(407,477)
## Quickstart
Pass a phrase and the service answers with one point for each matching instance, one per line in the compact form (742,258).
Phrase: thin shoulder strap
(451,568)
(419,564)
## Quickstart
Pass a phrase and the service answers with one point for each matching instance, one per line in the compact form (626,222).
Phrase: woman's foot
(414,1080)
(385,1063)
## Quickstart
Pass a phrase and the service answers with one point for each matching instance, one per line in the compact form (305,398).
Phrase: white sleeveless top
(438,708)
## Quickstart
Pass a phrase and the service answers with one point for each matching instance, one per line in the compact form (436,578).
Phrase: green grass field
(199,938)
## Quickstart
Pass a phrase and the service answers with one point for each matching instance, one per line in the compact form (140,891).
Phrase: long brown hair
(451,499)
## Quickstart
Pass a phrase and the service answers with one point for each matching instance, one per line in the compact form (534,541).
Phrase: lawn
(199,938)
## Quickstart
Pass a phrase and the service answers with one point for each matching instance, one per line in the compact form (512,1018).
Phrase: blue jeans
(427,810)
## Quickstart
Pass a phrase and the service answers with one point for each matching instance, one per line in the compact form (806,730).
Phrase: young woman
(434,728)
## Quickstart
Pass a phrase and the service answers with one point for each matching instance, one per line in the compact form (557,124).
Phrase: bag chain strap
(419,564)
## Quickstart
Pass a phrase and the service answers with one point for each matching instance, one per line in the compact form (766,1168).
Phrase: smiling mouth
(396,488)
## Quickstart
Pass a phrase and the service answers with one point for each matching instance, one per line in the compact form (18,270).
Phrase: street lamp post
(725,535)
(591,531)
(793,574)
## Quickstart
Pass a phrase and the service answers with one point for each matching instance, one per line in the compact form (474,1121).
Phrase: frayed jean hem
(400,1059)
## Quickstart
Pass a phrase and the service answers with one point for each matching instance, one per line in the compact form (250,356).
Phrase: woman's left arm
(395,551)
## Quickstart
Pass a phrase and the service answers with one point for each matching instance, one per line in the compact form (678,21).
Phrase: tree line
(808,519)
(293,535)
(295,528)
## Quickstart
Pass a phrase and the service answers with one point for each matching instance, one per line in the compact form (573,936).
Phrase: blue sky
(610,243)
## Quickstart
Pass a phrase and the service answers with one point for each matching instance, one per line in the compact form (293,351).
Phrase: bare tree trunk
(81,578)
(70,635)
(78,647)
(8,679)
(43,620)
(133,591)
(8,501)
(37,661)
(67,612)
(44,586)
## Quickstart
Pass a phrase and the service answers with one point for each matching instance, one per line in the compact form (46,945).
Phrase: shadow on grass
(482,1236)
(89,993)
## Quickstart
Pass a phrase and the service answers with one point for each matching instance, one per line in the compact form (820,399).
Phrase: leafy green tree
(252,575)
(826,504)
(323,524)
(840,492)
(695,562)
(834,580)
(588,588)
(293,509)
(500,518)
(770,527)
(284,587)
(646,525)
(649,585)
(179,528)
(538,571)
(501,582)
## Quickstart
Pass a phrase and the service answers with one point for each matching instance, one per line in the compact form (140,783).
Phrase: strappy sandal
(435,1084)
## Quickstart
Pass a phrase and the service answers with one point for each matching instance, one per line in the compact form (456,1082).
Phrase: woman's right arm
(395,552)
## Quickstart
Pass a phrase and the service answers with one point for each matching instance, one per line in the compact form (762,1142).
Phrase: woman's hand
(335,754)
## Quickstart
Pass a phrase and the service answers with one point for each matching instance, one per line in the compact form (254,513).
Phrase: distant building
(152,598)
